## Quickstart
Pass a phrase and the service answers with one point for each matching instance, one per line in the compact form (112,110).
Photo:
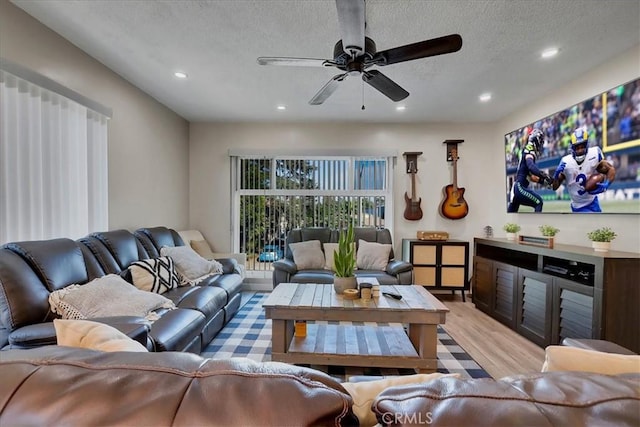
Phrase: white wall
(210,180)
(148,143)
(480,168)
(573,228)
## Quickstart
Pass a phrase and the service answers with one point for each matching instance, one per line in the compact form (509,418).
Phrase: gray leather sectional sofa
(31,271)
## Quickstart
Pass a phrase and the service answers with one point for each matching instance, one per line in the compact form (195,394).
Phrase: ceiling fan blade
(385,85)
(447,44)
(295,62)
(351,19)
(327,89)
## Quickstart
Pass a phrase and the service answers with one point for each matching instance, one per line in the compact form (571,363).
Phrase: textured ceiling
(217,43)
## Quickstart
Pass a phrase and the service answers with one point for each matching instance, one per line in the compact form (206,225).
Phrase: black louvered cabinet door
(576,311)
(534,313)
(504,297)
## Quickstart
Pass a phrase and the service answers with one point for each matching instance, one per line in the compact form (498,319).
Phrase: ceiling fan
(355,53)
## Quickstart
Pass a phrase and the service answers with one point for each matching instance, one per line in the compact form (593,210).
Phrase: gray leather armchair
(397,272)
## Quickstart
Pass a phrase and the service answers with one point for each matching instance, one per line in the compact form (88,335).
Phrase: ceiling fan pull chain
(363,95)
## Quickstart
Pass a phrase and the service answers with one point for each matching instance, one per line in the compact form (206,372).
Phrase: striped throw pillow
(154,275)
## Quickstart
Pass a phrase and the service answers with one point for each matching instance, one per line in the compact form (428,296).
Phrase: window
(275,194)
(53,163)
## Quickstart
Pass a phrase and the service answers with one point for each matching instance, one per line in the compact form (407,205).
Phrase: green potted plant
(345,261)
(511,230)
(601,238)
(548,230)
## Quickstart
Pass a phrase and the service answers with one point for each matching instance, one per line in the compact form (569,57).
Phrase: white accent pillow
(372,256)
(329,249)
(202,248)
(154,275)
(94,335)
(364,392)
(106,296)
(563,358)
(307,255)
(190,265)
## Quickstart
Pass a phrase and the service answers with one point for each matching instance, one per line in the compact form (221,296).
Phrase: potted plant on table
(511,230)
(345,262)
(601,238)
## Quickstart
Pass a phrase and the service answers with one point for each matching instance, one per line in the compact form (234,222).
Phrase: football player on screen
(577,167)
(520,193)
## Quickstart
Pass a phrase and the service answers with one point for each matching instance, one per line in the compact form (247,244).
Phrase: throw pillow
(364,393)
(562,358)
(202,248)
(191,266)
(154,275)
(372,256)
(329,249)
(94,336)
(307,255)
(106,296)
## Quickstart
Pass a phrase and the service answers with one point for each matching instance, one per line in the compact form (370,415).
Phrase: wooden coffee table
(357,344)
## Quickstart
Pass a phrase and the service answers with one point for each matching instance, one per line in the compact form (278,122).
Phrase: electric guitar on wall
(454,206)
(412,211)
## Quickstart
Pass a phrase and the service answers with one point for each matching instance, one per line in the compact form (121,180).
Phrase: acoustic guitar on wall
(412,211)
(454,206)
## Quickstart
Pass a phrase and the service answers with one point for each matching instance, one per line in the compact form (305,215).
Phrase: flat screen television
(612,121)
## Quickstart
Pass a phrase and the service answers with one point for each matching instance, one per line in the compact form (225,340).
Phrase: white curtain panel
(53,164)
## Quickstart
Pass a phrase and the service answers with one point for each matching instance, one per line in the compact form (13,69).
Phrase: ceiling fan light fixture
(281,107)
(549,53)
(355,53)
(180,75)
(401,107)
(485,97)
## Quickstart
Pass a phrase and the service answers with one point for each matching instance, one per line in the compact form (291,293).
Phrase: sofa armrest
(286,265)
(241,258)
(41,334)
(229,265)
(240,261)
(396,267)
(283,270)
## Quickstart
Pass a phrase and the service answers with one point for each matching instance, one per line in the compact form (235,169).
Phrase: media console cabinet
(569,291)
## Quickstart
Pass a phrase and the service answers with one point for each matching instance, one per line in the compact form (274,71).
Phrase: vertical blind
(275,194)
(53,164)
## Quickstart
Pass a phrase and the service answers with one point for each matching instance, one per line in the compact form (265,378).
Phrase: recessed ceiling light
(281,107)
(549,53)
(180,75)
(401,108)
(485,97)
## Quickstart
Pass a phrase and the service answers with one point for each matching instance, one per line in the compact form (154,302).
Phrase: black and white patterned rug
(248,334)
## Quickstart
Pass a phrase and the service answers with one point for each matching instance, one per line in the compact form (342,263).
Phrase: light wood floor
(498,349)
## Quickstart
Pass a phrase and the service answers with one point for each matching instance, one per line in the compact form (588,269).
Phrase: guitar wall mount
(411,158)
(452,144)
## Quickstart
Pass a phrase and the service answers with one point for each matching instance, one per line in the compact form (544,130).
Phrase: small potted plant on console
(601,238)
(548,230)
(511,230)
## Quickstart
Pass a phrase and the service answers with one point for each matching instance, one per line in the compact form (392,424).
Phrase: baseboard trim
(249,285)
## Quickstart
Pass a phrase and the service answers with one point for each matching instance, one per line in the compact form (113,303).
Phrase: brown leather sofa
(30,271)
(56,385)
(397,272)
(77,387)
(558,398)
